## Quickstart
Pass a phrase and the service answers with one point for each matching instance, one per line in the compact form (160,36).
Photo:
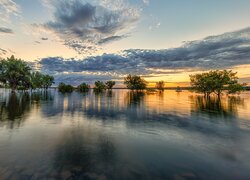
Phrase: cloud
(111,39)
(215,52)
(8,8)
(4,30)
(44,38)
(146,2)
(2,52)
(84,26)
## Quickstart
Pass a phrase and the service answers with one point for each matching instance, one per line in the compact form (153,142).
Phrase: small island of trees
(214,82)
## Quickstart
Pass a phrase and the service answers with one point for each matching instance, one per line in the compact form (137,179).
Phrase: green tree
(47,81)
(215,82)
(36,79)
(236,88)
(14,72)
(83,87)
(110,84)
(65,88)
(135,82)
(160,85)
(99,86)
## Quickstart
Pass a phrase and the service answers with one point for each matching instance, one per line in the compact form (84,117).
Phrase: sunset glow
(87,40)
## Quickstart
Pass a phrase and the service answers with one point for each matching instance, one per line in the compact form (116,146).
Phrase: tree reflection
(216,107)
(14,107)
(134,98)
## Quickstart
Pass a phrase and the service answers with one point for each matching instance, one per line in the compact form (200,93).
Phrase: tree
(65,88)
(110,84)
(135,82)
(215,82)
(160,85)
(47,81)
(99,86)
(36,79)
(83,87)
(235,88)
(14,72)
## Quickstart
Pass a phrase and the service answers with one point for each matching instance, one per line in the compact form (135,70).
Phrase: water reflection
(81,155)
(121,134)
(15,107)
(214,107)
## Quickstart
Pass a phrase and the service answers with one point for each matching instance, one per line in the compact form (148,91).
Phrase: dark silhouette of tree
(135,82)
(110,84)
(83,87)
(160,85)
(65,88)
(99,86)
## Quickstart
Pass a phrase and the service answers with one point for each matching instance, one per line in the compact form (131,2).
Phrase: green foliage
(135,82)
(215,82)
(47,81)
(160,85)
(14,72)
(99,86)
(110,84)
(236,88)
(83,87)
(65,88)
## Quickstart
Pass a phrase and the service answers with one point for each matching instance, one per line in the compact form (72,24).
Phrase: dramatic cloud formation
(4,30)
(215,52)
(8,8)
(84,26)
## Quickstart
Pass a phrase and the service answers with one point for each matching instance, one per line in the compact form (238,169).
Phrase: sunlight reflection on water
(124,135)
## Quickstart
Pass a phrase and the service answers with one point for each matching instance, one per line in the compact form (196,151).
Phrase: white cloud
(146,2)
(215,52)
(8,8)
(84,26)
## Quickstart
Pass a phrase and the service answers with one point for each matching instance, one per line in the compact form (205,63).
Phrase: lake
(124,135)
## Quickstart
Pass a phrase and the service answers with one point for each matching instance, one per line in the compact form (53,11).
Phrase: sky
(86,40)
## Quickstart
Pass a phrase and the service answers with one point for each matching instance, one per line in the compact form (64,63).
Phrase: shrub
(64,88)
(83,87)
(135,82)
(110,84)
(99,86)
(160,85)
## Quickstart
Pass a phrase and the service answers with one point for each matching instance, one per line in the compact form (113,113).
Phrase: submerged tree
(110,84)
(216,82)
(160,85)
(135,82)
(99,86)
(14,72)
(17,74)
(47,81)
(65,88)
(36,80)
(83,87)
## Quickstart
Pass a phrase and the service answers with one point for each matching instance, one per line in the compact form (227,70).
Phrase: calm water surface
(124,135)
